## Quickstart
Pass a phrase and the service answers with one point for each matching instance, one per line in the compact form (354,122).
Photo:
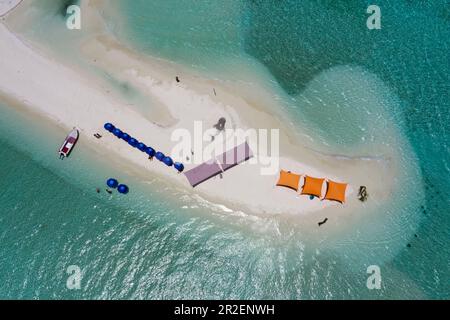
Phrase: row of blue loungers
(143,147)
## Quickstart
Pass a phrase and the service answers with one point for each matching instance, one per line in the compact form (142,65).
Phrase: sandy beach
(71,96)
(7,5)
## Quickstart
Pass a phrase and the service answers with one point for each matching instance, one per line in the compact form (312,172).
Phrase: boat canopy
(288,180)
(336,191)
(313,186)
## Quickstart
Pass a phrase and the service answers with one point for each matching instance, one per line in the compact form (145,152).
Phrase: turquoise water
(149,245)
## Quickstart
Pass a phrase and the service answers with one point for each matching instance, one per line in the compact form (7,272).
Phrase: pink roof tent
(235,156)
(216,166)
(202,173)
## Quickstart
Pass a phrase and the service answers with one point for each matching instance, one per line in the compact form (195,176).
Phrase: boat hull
(69,143)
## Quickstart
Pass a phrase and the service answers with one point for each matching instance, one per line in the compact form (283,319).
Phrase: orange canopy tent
(336,191)
(313,186)
(288,180)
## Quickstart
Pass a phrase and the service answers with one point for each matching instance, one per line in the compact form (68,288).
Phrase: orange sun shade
(336,191)
(288,180)
(313,186)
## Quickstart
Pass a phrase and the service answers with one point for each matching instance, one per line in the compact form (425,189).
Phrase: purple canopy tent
(222,163)
(235,156)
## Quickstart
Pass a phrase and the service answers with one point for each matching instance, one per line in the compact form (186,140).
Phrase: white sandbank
(7,5)
(72,97)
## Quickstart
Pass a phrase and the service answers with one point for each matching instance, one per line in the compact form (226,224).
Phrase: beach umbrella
(179,166)
(150,151)
(112,183)
(141,146)
(133,142)
(126,137)
(168,161)
(123,189)
(118,133)
(109,127)
(160,156)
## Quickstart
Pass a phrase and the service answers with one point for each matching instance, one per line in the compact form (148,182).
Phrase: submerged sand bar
(7,5)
